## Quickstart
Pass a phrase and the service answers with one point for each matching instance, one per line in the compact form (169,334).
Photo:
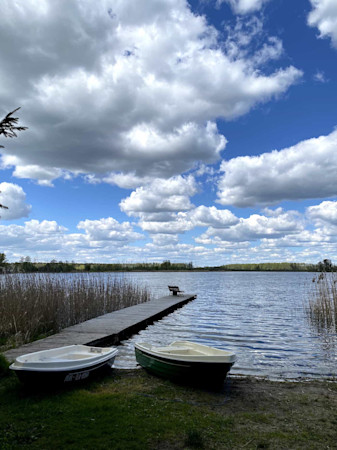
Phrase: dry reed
(322,306)
(41,304)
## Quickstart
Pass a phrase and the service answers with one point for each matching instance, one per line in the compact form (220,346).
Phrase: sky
(198,131)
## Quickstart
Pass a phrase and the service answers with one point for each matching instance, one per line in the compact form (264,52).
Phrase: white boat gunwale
(47,360)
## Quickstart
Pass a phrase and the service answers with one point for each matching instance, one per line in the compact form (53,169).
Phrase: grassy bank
(133,410)
(40,304)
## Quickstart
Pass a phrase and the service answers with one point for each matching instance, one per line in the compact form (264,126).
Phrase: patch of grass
(133,410)
(38,305)
(194,439)
(4,366)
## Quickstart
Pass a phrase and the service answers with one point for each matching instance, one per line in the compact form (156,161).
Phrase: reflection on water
(258,315)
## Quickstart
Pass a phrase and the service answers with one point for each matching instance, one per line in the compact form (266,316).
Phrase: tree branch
(8,128)
(8,125)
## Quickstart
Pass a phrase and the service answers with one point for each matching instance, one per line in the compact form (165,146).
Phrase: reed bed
(322,306)
(37,305)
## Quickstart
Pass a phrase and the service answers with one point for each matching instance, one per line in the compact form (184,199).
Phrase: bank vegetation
(37,305)
(322,305)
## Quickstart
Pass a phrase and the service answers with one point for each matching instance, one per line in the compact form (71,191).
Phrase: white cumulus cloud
(161,196)
(324,218)
(305,170)
(101,240)
(109,229)
(324,17)
(256,227)
(177,223)
(14,198)
(244,6)
(110,88)
(326,212)
(204,216)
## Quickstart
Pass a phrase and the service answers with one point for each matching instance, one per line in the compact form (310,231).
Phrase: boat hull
(186,371)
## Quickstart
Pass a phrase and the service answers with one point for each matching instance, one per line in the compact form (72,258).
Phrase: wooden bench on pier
(175,290)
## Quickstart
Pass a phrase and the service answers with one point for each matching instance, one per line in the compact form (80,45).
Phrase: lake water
(258,315)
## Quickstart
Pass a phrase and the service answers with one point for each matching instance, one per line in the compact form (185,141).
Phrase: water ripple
(260,316)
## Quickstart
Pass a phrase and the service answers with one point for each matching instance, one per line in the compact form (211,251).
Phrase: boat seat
(172,349)
(64,357)
(178,350)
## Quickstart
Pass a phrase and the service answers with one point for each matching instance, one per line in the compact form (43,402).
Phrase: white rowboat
(63,364)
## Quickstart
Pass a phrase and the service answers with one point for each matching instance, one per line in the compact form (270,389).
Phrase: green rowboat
(185,360)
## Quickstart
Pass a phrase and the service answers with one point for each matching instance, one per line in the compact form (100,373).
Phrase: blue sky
(200,131)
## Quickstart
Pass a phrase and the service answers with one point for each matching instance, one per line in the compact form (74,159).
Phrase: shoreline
(260,378)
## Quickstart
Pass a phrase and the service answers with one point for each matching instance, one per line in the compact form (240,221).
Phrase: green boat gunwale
(179,351)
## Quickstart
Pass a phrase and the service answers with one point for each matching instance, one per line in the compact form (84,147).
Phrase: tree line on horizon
(25,265)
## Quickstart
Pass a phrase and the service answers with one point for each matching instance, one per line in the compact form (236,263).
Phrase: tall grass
(322,306)
(42,304)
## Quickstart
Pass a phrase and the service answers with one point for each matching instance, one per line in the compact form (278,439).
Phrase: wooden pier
(108,329)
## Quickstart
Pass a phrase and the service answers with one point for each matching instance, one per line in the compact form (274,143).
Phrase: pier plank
(108,329)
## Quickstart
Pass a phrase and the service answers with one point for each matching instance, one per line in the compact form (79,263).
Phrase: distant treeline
(268,267)
(322,266)
(25,265)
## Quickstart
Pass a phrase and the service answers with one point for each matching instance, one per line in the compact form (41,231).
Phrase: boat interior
(190,349)
(170,350)
(65,354)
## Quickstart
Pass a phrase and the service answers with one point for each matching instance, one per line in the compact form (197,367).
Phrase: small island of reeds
(322,303)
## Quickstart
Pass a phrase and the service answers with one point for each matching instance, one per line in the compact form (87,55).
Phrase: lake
(258,315)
